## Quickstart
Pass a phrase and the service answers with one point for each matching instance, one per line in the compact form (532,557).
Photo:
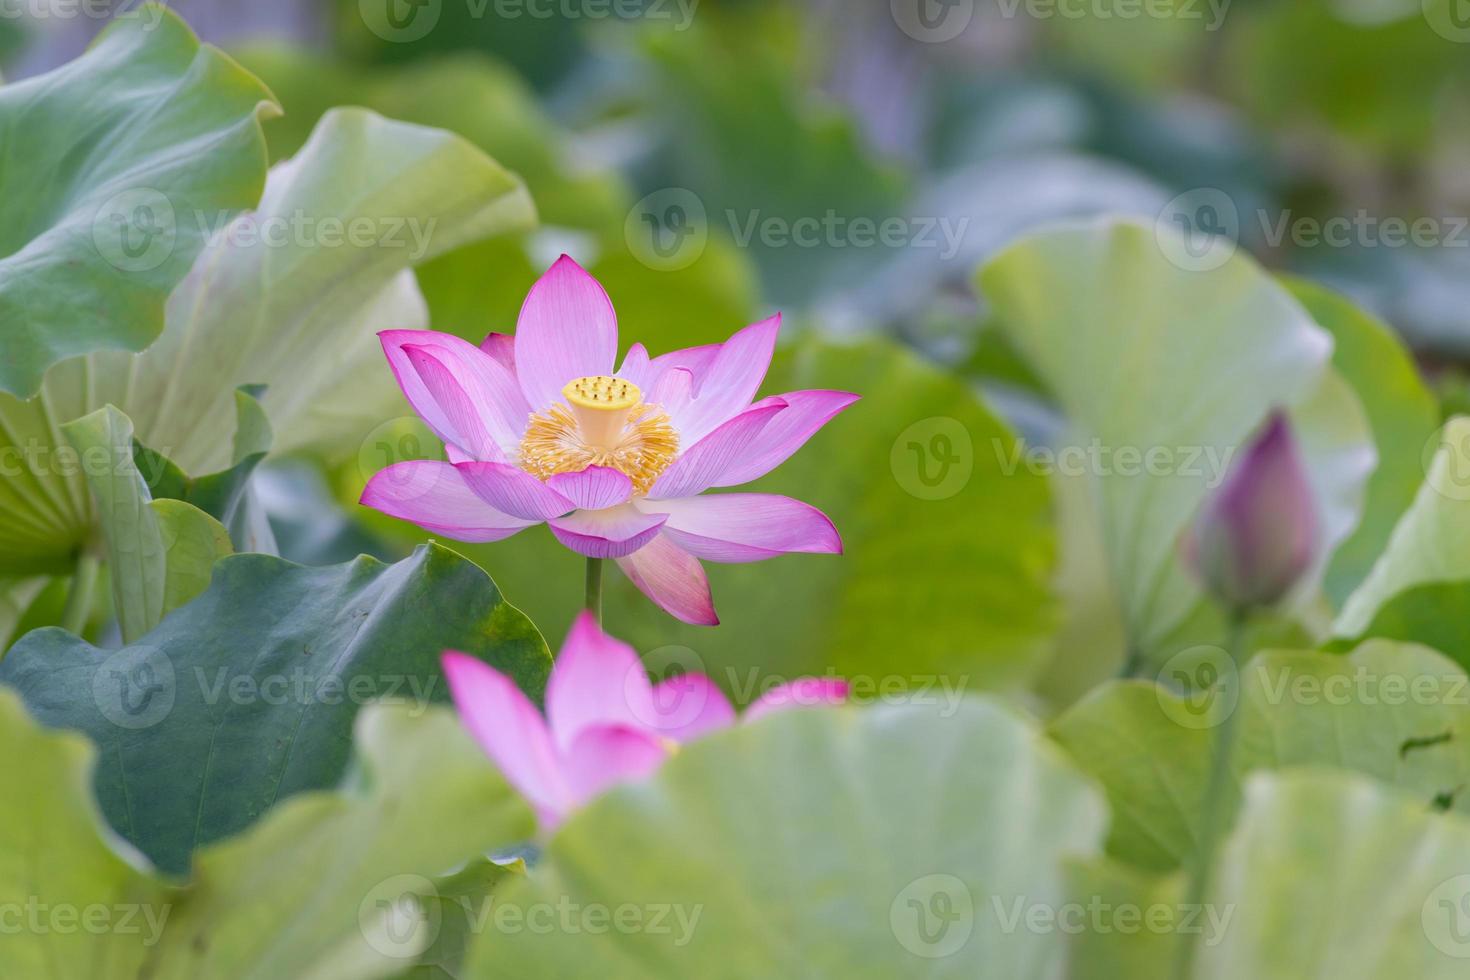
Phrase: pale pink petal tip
(804,692)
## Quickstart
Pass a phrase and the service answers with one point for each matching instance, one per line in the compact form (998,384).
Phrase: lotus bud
(1259,532)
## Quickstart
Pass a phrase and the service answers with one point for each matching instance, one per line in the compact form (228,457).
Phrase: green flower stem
(594,587)
(78,607)
(1213,816)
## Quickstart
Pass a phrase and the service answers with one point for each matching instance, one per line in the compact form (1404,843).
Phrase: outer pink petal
(728,385)
(690,705)
(736,527)
(596,680)
(488,386)
(595,488)
(433,495)
(502,348)
(703,464)
(695,360)
(567,329)
(613,533)
(605,756)
(509,729)
(467,427)
(804,692)
(806,412)
(635,368)
(673,579)
(512,490)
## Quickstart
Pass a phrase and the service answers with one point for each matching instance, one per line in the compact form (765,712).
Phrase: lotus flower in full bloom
(1259,533)
(541,426)
(605,722)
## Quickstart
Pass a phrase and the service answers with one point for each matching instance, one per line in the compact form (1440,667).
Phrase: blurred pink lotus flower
(1259,532)
(540,427)
(605,722)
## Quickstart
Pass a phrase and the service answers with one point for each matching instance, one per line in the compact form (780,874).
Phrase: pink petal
(695,360)
(486,385)
(509,729)
(602,757)
(635,368)
(595,488)
(433,495)
(703,464)
(728,385)
(566,330)
(736,527)
(502,348)
(596,680)
(806,412)
(673,392)
(673,579)
(690,705)
(804,692)
(612,533)
(512,490)
(466,428)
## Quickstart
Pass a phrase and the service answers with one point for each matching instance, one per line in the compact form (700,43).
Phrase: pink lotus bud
(1259,532)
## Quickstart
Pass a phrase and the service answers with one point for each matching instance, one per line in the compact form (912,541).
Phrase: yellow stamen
(604,423)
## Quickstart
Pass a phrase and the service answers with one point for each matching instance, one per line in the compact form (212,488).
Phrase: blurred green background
(850,164)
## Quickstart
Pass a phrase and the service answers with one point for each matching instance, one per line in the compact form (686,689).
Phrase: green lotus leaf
(1431,543)
(1397,712)
(123,147)
(1328,874)
(883,842)
(330,884)
(246,696)
(286,296)
(1165,364)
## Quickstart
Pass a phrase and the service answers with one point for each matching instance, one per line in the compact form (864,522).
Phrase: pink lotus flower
(540,427)
(605,723)
(1259,533)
